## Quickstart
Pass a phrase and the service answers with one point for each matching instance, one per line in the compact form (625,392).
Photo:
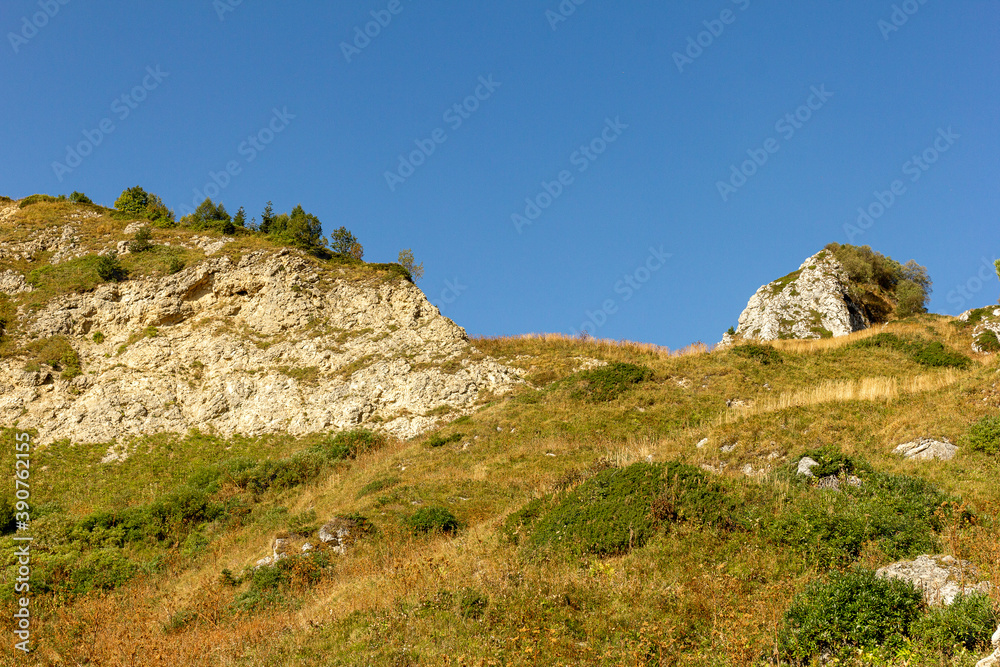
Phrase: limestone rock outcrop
(811,302)
(941,578)
(269,342)
(986,331)
(926,449)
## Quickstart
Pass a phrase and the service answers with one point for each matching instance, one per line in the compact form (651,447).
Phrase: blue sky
(617,120)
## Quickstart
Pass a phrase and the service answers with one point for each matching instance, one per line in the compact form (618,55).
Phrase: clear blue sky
(609,69)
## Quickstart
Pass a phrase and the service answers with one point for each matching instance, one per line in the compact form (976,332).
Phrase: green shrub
(987,341)
(110,268)
(966,623)
(984,436)
(433,520)
(57,353)
(689,494)
(141,242)
(137,204)
(609,382)
(39,199)
(855,609)
(377,485)
(895,514)
(932,354)
(80,198)
(438,440)
(937,355)
(210,216)
(101,570)
(281,474)
(350,444)
(8,522)
(764,354)
(176,265)
(98,337)
(610,513)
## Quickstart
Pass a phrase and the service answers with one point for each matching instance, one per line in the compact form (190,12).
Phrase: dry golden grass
(559,340)
(865,389)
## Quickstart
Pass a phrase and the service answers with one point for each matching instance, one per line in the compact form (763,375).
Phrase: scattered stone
(702,443)
(992,660)
(728,448)
(806,465)
(340,533)
(926,449)
(833,482)
(307,547)
(941,578)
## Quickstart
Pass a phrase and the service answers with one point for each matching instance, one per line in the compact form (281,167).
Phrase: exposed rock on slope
(812,302)
(271,342)
(986,329)
(940,578)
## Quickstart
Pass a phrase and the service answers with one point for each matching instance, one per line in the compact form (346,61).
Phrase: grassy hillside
(589,527)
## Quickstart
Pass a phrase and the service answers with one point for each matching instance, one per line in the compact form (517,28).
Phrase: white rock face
(926,449)
(990,322)
(266,344)
(941,578)
(811,302)
(806,465)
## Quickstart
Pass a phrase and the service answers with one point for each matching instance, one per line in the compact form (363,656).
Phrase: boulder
(811,302)
(806,465)
(992,660)
(340,533)
(941,578)
(926,449)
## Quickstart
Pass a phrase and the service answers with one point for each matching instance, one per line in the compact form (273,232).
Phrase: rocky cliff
(812,302)
(262,341)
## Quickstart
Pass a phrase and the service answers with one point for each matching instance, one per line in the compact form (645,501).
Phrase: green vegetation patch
(610,513)
(433,520)
(609,382)
(926,353)
(40,199)
(967,623)
(896,515)
(848,611)
(438,440)
(763,354)
(987,341)
(56,352)
(984,436)
(779,285)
